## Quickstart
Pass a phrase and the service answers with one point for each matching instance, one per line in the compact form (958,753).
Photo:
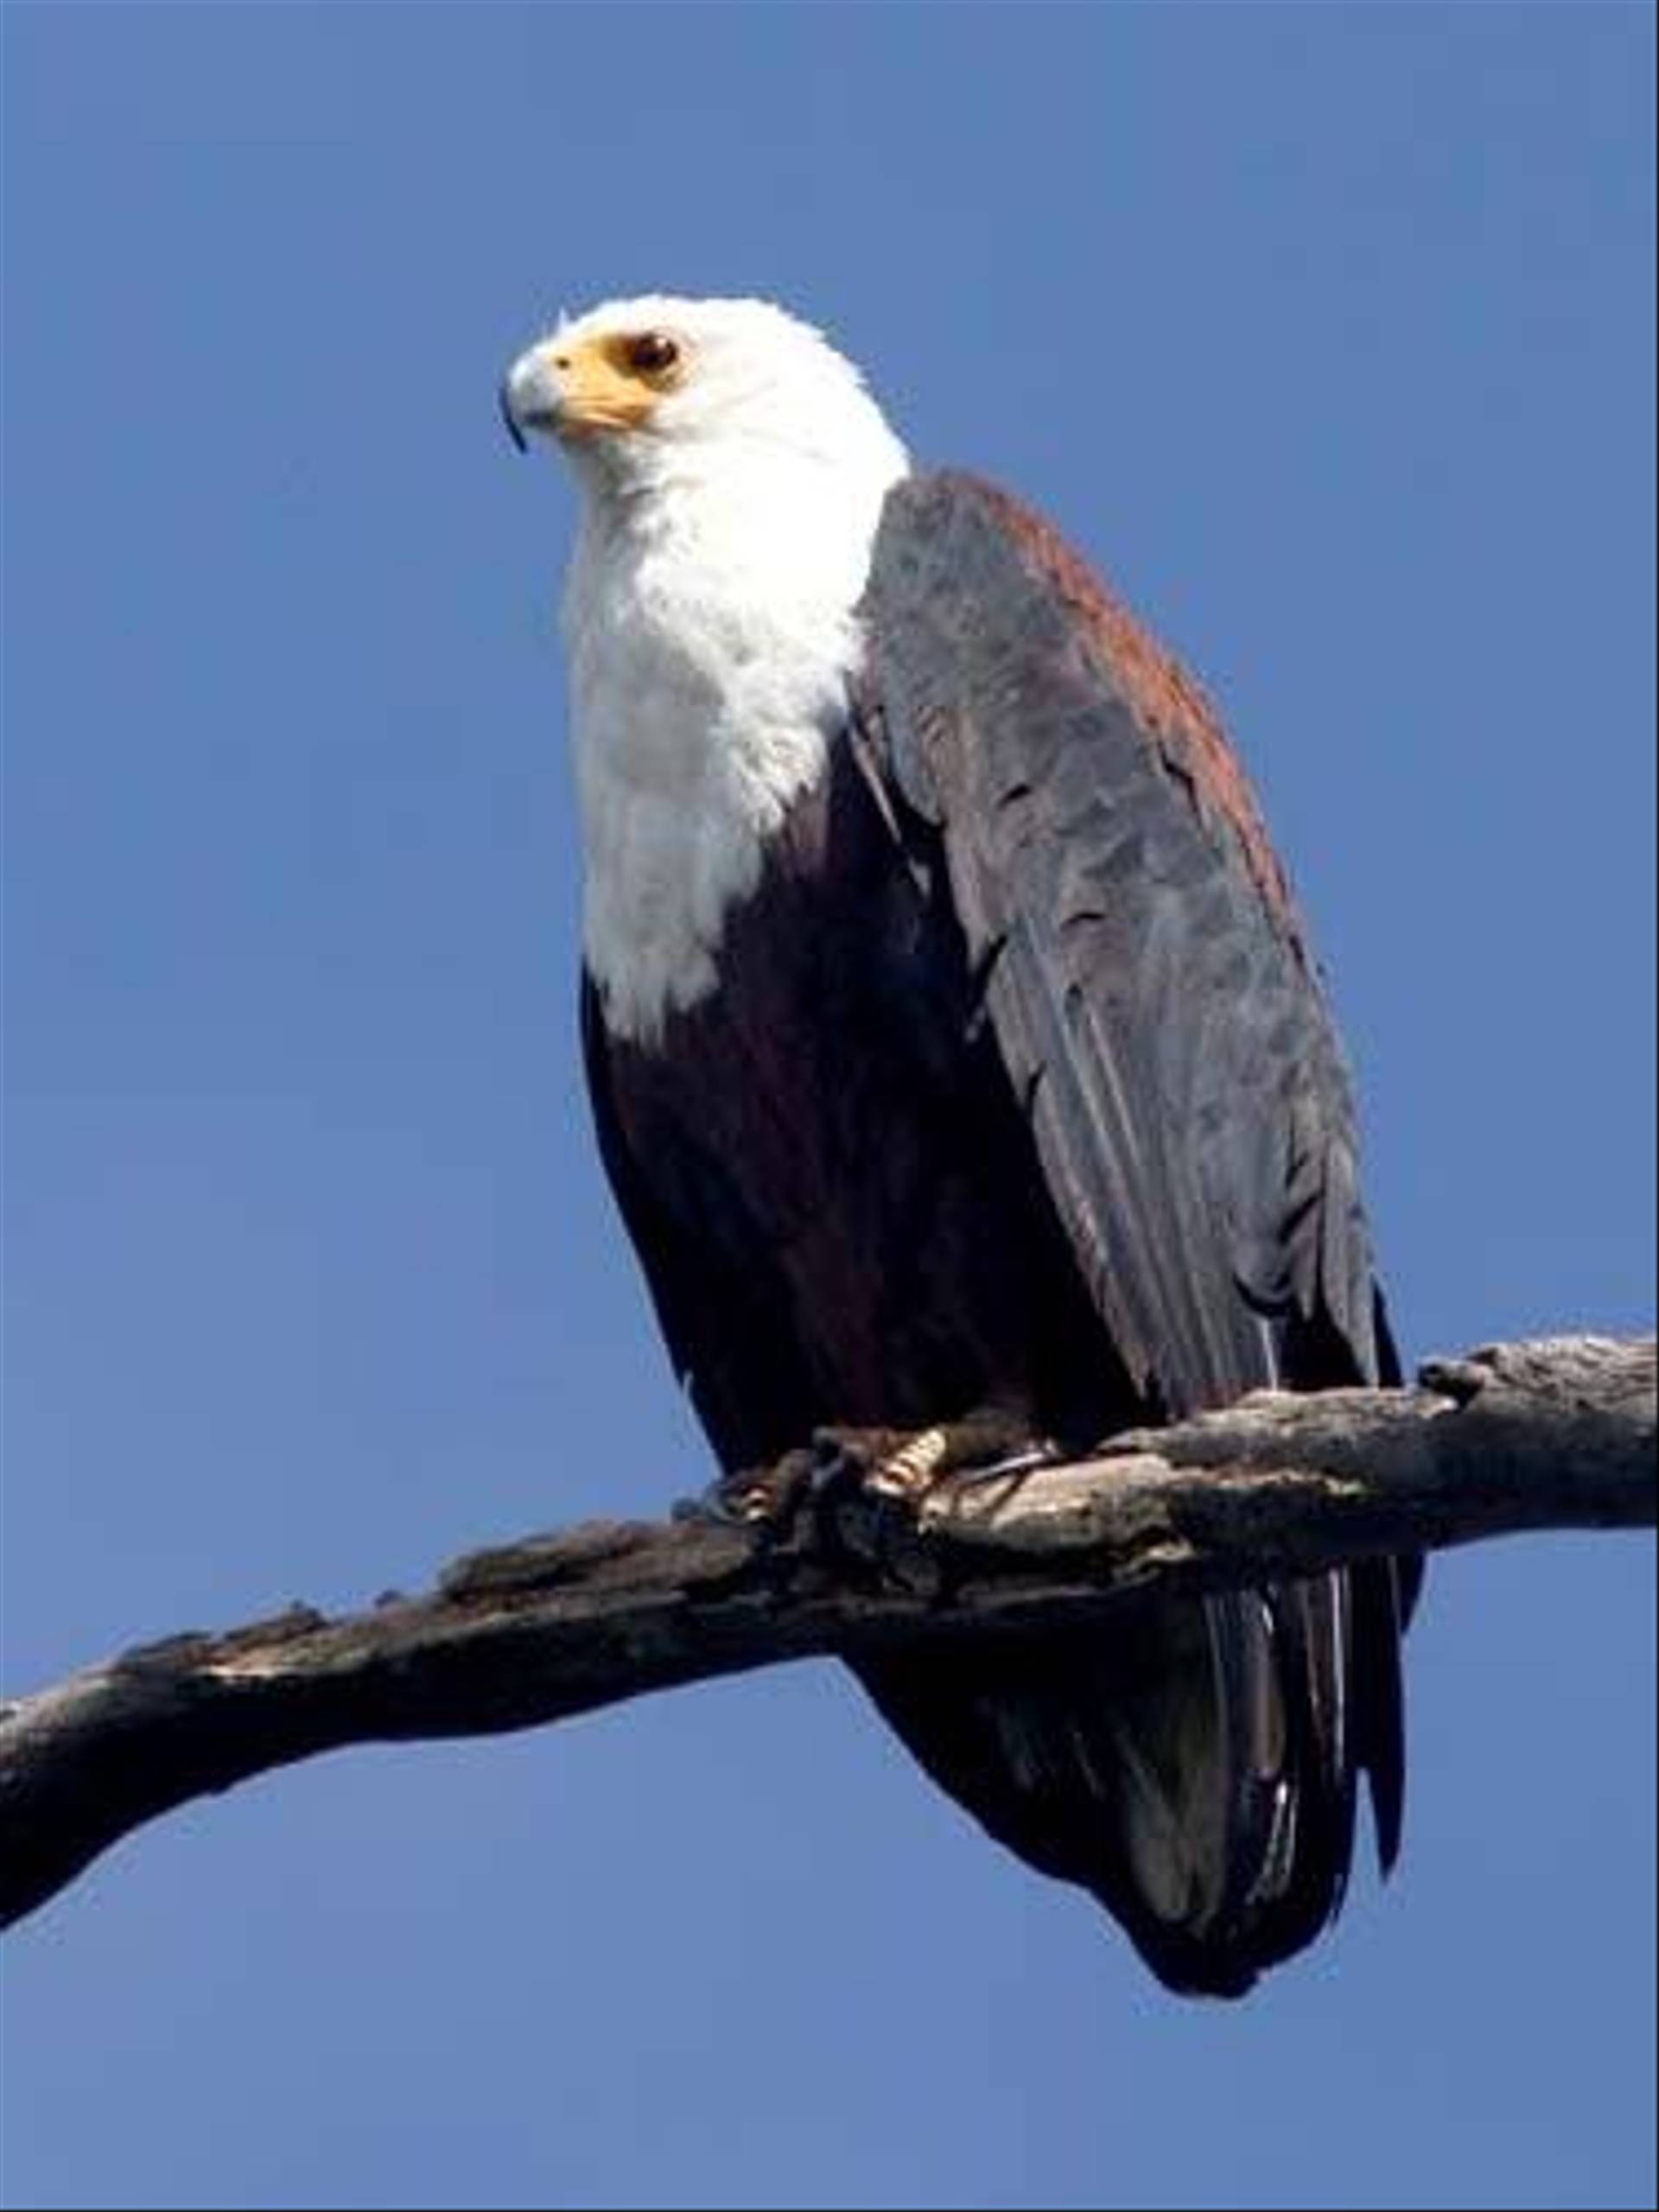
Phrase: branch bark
(1558,1434)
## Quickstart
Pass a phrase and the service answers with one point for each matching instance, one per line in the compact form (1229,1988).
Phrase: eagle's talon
(903,1466)
(768,1500)
(910,1473)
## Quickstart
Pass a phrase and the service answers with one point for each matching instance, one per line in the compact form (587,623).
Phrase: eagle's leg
(767,1498)
(899,1465)
(992,1443)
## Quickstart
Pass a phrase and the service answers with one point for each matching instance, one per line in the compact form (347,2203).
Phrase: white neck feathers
(709,628)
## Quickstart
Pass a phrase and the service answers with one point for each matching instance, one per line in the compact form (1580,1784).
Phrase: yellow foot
(899,1466)
(765,1499)
(907,1465)
(912,1470)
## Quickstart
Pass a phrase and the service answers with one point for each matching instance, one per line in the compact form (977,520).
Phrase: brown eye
(653,353)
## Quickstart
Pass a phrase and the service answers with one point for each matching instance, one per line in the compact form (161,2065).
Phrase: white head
(645,392)
(732,467)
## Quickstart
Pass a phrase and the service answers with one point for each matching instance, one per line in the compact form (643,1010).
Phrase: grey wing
(1150,988)
(1146,973)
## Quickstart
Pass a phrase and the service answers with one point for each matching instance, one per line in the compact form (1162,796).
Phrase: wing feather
(1151,990)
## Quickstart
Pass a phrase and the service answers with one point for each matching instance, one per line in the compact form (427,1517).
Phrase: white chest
(703,697)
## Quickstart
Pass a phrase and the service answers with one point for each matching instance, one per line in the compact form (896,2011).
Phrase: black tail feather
(1207,1800)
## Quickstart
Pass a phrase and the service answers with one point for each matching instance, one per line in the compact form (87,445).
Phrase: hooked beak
(504,398)
(530,396)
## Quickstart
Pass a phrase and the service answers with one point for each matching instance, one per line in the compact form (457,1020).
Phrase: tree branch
(1554,1434)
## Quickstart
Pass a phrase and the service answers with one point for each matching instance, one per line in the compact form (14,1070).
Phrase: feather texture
(1154,1003)
(1018,1086)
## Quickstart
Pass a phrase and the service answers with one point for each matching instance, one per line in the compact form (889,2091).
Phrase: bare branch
(1554,1434)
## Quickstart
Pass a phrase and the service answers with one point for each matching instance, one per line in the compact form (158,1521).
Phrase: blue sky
(1329,334)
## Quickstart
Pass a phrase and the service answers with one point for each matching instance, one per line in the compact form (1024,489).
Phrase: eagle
(960,1065)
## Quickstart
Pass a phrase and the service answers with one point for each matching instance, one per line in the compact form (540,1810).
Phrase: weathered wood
(1555,1434)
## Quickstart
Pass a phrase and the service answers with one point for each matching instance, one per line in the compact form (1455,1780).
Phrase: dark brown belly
(832,1185)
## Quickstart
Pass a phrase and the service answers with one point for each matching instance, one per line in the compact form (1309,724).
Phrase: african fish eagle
(954,1046)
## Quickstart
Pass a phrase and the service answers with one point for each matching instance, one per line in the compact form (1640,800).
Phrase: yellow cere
(614,381)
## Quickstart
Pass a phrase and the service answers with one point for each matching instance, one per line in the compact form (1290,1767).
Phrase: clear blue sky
(1330,333)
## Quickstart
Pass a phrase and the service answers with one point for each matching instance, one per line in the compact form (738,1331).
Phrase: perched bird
(958,1060)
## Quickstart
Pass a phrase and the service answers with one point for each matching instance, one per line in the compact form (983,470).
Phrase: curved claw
(907,1465)
(766,1499)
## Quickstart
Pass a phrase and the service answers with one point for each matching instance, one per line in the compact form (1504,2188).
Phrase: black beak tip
(503,400)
